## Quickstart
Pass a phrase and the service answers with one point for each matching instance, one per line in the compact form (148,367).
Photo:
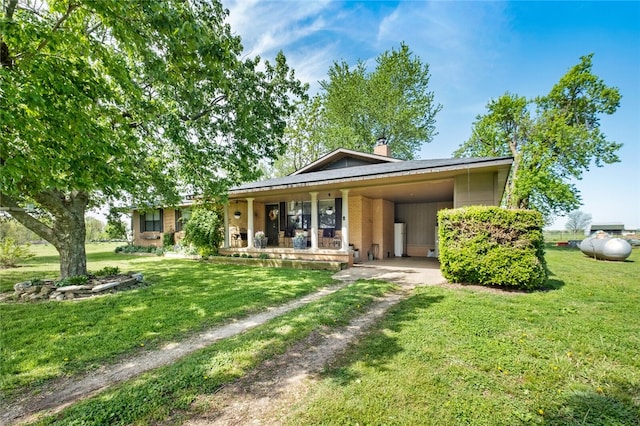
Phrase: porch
(290,253)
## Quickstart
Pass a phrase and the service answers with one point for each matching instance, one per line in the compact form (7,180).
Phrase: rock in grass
(105,286)
(22,286)
(70,288)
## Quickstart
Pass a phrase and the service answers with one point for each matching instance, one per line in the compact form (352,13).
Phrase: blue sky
(477,51)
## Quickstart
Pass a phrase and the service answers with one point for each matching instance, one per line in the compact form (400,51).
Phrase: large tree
(139,99)
(393,101)
(355,107)
(552,139)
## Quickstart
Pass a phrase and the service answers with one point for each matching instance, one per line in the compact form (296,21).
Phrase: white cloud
(269,26)
(457,39)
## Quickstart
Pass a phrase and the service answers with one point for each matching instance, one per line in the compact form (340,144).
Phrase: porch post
(345,219)
(225,210)
(249,222)
(314,220)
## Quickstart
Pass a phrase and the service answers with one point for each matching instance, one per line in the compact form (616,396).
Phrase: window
(299,215)
(326,214)
(151,221)
(182,216)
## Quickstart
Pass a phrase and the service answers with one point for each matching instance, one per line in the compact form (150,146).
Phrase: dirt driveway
(252,398)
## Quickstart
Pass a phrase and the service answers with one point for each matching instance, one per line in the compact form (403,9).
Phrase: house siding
(360,223)
(476,189)
(155,238)
(371,223)
(421,220)
(145,238)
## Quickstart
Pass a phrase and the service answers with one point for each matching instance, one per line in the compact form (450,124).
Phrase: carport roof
(373,171)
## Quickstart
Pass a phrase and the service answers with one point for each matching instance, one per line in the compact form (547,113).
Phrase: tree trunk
(70,244)
(510,197)
(66,232)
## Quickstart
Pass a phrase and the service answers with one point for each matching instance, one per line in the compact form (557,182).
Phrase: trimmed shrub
(135,249)
(492,246)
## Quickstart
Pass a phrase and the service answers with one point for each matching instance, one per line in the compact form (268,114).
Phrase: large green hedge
(492,246)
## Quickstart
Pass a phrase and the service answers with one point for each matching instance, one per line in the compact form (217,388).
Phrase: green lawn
(570,355)
(168,395)
(462,356)
(47,340)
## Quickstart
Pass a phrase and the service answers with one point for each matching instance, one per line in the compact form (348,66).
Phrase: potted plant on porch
(260,240)
(300,241)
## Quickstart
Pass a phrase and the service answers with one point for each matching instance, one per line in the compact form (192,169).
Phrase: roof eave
(342,151)
(433,170)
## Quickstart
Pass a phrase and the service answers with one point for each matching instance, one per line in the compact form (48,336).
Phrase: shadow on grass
(183,298)
(552,283)
(41,260)
(379,347)
(612,407)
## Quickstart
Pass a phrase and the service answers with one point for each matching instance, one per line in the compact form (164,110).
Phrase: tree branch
(27,220)
(56,26)
(205,111)
(5,55)
(11,7)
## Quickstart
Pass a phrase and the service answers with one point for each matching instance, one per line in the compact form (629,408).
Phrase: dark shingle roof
(369,171)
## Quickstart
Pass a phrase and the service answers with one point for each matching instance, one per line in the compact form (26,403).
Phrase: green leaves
(392,101)
(137,99)
(205,229)
(557,143)
(492,246)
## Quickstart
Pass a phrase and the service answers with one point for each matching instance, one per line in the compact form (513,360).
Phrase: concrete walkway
(410,271)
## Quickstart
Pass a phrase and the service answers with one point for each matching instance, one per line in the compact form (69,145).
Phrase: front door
(271,226)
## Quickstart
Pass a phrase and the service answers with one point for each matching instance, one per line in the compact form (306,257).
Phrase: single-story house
(347,203)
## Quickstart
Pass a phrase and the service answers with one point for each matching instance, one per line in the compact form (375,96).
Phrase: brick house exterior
(349,201)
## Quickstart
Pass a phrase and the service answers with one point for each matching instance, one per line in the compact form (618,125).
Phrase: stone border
(28,292)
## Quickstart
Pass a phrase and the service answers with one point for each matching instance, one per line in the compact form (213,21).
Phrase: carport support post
(249,222)
(345,220)
(314,220)
(227,229)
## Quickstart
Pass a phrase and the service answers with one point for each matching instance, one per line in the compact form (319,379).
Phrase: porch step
(281,263)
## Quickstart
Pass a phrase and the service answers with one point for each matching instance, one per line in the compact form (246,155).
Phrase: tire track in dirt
(266,394)
(64,392)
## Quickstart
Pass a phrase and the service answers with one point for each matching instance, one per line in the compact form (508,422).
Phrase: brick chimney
(382,148)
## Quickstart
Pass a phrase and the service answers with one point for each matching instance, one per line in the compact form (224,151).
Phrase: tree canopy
(139,99)
(393,101)
(303,136)
(355,107)
(553,139)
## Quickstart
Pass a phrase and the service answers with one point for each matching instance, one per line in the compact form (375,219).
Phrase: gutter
(438,169)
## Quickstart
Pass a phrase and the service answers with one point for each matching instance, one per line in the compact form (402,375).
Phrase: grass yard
(463,356)
(169,395)
(43,341)
(446,355)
